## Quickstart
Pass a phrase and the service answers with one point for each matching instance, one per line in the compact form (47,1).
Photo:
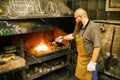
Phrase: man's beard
(79,25)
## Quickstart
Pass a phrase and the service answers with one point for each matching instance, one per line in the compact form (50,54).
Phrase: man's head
(80,14)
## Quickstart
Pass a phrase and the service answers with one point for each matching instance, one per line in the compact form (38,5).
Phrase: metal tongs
(53,42)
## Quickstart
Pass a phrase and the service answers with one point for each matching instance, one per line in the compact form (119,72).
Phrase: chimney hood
(22,9)
(26,16)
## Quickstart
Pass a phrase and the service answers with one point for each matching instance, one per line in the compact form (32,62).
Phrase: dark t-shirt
(92,36)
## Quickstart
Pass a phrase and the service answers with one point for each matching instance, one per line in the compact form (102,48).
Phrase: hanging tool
(111,60)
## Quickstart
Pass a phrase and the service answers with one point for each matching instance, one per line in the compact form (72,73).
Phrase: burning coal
(41,47)
(39,43)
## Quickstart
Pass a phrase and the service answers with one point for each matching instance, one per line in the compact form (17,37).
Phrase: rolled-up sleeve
(96,36)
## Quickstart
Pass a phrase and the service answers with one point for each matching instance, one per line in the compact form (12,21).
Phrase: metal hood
(26,16)
(22,9)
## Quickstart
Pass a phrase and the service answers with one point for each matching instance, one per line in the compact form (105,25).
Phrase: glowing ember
(41,47)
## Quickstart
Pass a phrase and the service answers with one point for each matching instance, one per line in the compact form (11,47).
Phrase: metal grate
(38,59)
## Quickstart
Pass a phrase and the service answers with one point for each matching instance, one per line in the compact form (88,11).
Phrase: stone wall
(110,53)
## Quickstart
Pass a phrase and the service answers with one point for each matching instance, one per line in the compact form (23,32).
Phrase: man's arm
(92,64)
(68,37)
(95,54)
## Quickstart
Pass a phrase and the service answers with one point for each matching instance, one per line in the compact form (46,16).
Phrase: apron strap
(85,27)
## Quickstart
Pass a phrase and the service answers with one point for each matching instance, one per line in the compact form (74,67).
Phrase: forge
(28,29)
(40,43)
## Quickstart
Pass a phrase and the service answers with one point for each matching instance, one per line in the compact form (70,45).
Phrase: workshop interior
(28,29)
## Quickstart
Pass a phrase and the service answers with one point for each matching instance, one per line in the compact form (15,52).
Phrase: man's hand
(59,39)
(91,66)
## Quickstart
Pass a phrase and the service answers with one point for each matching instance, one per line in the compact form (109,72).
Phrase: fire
(41,47)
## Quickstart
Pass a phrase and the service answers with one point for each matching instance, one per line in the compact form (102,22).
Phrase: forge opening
(36,43)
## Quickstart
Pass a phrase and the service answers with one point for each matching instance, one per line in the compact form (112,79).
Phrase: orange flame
(41,47)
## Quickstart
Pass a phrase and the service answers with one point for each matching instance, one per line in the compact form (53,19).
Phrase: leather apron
(82,60)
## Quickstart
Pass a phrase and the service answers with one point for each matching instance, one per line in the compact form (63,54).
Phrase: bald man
(88,43)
